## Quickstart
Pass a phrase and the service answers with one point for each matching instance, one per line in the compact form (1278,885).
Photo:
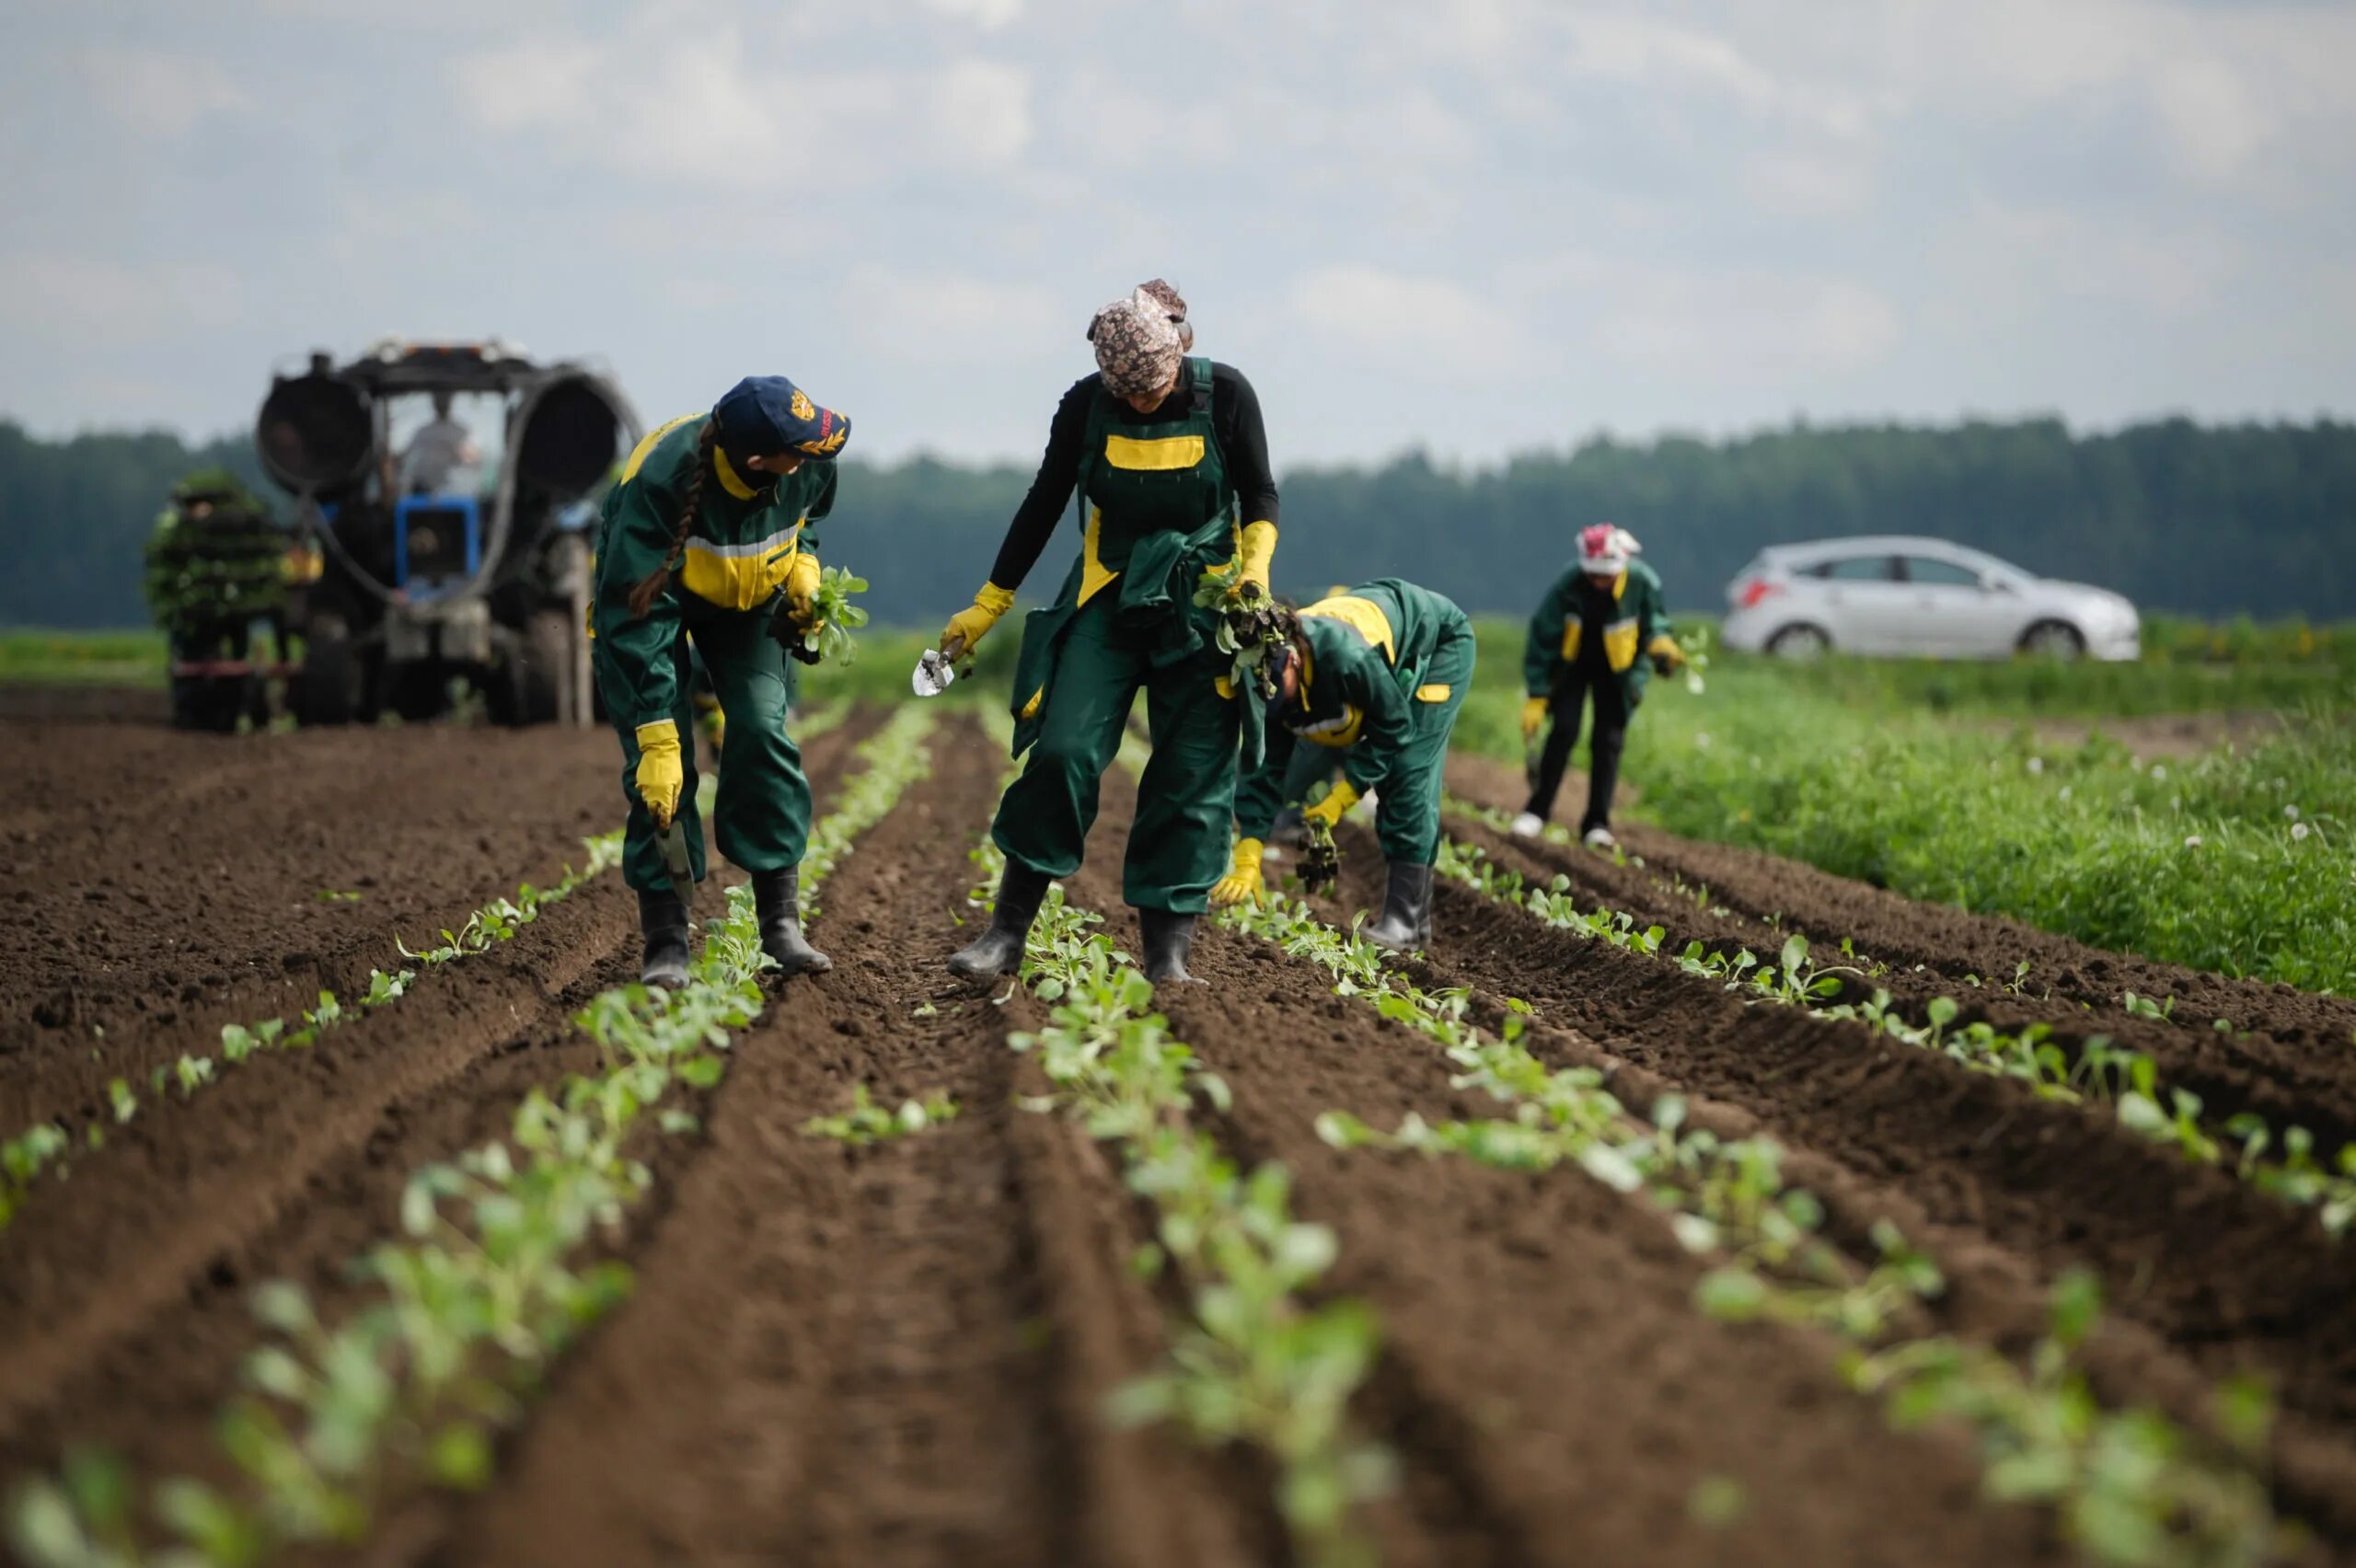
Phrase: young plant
(838,617)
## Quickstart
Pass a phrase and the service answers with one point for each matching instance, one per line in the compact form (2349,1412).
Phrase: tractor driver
(437,452)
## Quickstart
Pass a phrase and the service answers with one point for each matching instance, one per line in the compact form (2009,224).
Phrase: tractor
(441,577)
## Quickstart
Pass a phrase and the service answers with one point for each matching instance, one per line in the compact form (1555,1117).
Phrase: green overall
(721,597)
(1158,511)
(1388,665)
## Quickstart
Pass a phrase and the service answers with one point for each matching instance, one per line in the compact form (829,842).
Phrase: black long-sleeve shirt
(1235,420)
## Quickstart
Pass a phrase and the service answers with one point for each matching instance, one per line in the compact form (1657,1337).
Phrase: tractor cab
(447,485)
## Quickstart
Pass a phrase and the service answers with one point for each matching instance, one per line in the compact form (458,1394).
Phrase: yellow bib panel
(738,577)
(1363,616)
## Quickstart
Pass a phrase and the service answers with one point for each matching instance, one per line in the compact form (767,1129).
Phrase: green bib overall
(1157,510)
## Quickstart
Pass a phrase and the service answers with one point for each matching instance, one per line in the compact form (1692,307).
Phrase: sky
(1474,226)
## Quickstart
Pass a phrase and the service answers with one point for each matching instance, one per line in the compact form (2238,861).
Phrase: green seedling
(868,1122)
(838,616)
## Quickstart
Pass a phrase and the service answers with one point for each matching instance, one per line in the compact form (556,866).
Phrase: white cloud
(944,317)
(87,299)
(706,108)
(2214,121)
(1762,326)
(157,94)
(980,111)
(988,15)
(1445,329)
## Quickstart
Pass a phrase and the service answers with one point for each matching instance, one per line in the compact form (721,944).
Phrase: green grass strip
(469,1311)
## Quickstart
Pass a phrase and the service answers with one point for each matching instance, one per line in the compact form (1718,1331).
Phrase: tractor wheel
(526,686)
(326,689)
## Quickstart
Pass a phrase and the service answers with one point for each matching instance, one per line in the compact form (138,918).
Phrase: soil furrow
(138,947)
(852,1355)
(2298,1082)
(1550,1390)
(1952,942)
(2227,1279)
(124,1294)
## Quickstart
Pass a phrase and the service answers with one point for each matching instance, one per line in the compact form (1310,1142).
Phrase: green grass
(2237,861)
(30,656)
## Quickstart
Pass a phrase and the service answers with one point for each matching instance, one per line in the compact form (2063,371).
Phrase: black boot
(1168,938)
(664,918)
(776,899)
(1406,910)
(998,951)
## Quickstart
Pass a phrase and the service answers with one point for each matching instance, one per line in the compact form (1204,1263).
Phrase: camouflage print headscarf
(1141,339)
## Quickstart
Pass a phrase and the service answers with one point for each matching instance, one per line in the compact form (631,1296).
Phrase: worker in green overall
(1170,459)
(1583,646)
(1379,670)
(702,539)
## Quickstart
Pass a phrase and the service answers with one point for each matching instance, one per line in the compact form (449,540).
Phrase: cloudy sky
(1476,226)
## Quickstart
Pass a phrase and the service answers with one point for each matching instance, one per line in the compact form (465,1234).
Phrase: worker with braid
(702,539)
(1171,466)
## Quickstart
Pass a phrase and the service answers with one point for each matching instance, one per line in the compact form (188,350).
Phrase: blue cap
(768,413)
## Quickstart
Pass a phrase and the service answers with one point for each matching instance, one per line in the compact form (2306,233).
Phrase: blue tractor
(441,570)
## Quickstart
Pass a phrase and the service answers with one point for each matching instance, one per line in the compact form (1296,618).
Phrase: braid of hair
(642,593)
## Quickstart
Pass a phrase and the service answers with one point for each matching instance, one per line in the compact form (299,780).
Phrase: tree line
(2212,521)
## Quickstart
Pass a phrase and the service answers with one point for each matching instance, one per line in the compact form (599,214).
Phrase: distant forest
(2211,521)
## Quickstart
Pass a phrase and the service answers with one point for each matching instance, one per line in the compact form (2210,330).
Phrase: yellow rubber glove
(1338,800)
(660,774)
(1244,882)
(801,590)
(1534,714)
(968,627)
(1667,656)
(1259,550)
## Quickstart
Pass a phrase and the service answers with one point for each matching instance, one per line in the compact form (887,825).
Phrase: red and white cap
(1604,549)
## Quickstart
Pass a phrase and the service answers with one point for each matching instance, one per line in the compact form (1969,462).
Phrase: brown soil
(2284,1056)
(901,1353)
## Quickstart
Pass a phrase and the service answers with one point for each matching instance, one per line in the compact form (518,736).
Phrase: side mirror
(1994,584)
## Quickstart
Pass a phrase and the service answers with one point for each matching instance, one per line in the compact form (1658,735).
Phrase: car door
(1950,613)
(1865,610)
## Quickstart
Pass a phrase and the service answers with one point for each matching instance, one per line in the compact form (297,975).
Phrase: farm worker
(1380,670)
(1583,644)
(1169,461)
(436,453)
(702,535)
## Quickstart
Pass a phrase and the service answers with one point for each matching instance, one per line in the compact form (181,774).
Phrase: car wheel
(2053,640)
(1800,642)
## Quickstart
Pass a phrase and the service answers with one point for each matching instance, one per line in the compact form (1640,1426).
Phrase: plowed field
(903,1352)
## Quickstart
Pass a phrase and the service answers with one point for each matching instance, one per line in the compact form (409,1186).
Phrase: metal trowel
(682,872)
(937,670)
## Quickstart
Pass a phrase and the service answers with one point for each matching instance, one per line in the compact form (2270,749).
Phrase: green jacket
(1631,621)
(1368,652)
(739,546)
(216,556)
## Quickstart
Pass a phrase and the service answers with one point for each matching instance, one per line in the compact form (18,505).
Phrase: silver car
(1921,597)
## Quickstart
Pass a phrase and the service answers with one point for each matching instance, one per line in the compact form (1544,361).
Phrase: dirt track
(899,1354)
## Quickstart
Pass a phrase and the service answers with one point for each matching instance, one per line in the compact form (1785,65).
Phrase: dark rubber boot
(664,919)
(1168,938)
(1406,910)
(776,899)
(998,951)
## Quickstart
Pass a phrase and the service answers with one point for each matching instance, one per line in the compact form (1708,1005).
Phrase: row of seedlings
(2285,1166)
(487,1287)
(2127,1486)
(47,1147)
(1257,1362)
